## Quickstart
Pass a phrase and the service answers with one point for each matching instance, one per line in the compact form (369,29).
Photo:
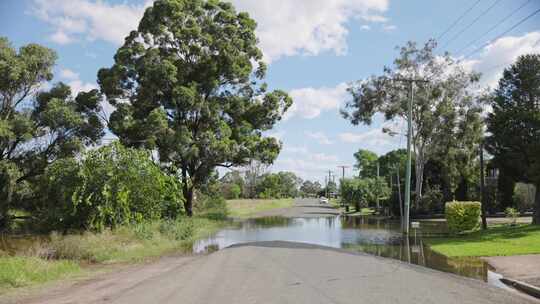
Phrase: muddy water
(374,236)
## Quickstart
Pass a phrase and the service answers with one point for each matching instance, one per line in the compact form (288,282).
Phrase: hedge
(462,216)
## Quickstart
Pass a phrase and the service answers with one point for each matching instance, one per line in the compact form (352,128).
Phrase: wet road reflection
(364,234)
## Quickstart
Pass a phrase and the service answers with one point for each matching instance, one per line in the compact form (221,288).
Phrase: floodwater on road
(378,237)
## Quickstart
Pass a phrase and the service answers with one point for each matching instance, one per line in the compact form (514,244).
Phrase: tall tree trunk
(188,200)
(536,217)
(419,174)
(4,220)
(188,193)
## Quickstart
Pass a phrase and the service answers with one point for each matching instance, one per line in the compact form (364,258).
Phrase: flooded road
(363,234)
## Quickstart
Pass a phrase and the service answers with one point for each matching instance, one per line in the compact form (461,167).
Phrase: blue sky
(314,48)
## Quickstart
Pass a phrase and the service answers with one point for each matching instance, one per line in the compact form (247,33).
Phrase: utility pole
(328,182)
(411,82)
(343,170)
(482,187)
(378,207)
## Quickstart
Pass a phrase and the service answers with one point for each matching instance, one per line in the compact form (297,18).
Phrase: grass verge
(59,256)
(243,208)
(503,240)
(20,271)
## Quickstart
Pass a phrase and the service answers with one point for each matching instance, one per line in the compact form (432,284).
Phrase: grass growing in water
(243,208)
(60,255)
(501,240)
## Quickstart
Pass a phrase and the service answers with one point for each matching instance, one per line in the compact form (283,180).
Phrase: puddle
(374,236)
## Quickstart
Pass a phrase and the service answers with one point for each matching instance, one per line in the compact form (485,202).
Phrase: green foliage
(366,163)
(462,216)
(310,189)
(211,206)
(109,187)
(23,271)
(235,191)
(512,214)
(192,74)
(37,128)
(278,185)
(232,185)
(514,123)
(363,192)
(446,117)
(432,201)
(523,196)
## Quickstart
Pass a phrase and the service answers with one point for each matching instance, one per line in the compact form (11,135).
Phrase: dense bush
(211,206)
(108,187)
(462,216)
(431,201)
(362,192)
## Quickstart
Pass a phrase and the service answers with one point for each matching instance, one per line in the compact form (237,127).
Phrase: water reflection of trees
(414,251)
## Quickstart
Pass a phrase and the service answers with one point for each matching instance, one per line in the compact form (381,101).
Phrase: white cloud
(61,38)
(375,18)
(302,27)
(68,74)
(312,166)
(79,86)
(376,139)
(74,20)
(499,54)
(365,27)
(311,102)
(308,27)
(295,150)
(320,137)
(276,134)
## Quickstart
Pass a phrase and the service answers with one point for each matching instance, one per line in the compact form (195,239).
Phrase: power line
(502,34)
(472,23)
(494,26)
(457,20)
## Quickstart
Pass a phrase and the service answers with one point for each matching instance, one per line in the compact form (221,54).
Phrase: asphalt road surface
(277,272)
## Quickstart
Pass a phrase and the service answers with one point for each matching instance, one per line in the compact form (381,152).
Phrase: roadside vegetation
(244,208)
(501,240)
(56,256)
(178,113)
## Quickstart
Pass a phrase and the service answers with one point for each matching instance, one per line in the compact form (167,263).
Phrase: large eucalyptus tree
(445,109)
(187,83)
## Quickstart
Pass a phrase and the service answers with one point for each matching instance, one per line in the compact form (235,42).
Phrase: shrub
(431,201)
(211,206)
(462,216)
(512,214)
(109,187)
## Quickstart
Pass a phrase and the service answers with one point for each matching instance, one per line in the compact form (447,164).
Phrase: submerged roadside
(28,262)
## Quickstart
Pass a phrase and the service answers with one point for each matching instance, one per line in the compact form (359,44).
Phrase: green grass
(59,256)
(23,271)
(500,240)
(243,208)
(133,243)
(363,211)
